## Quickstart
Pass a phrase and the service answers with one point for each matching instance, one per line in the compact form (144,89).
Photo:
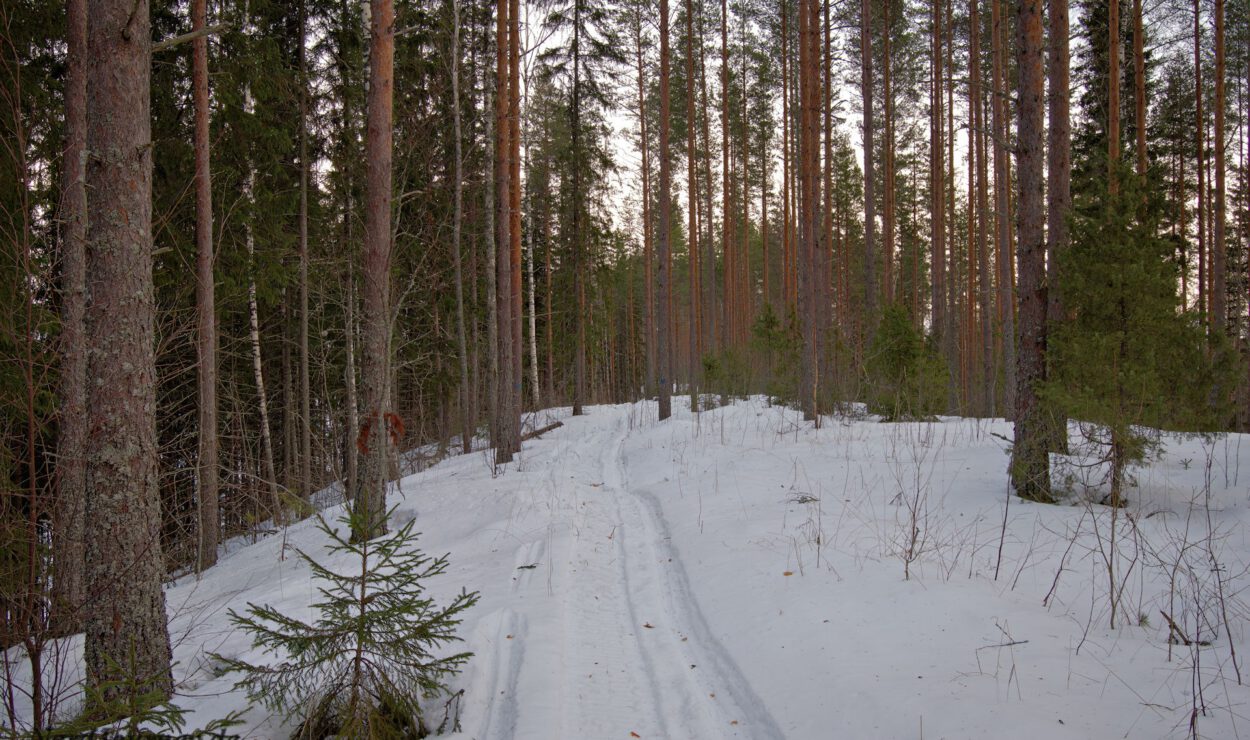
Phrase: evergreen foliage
(1128,357)
(906,377)
(362,667)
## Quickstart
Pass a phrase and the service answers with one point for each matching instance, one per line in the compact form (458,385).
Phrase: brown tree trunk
(579,280)
(206,468)
(1058,189)
(727,206)
(937,189)
(1030,466)
(305,390)
(870,205)
(648,259)
(503,426)
(692,209)
(664,358)
(1002,211)
(986,386)
(1219,256)
(809,200)
(127,646)
(462,343)
(380,428)
(515,393)
(1058,153)
(888,220)
(68,587)
(1200,132)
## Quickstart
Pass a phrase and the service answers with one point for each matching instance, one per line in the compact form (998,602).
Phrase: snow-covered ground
(741,574)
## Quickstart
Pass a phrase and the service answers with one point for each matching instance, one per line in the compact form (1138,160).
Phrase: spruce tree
(363,666)
(1118,359)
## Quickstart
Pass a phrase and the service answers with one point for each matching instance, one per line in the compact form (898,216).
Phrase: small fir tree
(1128,360)
(363,666)
(906,377)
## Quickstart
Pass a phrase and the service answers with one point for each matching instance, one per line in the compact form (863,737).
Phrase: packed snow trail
(632,651)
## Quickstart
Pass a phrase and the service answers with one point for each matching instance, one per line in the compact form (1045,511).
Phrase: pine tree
(126,632)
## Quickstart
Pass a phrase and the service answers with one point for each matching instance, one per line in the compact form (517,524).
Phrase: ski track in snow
(638,654)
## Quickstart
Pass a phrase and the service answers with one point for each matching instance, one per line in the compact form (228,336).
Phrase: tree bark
(69,590)
(127,645)
(380,428)
(648,258)
(462,342)
(664,358)
(305,383)
(1200,133)
(1002,210)
(809,202)
(870,206)
(937,189)
(692,208)
(206,467)
(1219,255)
(1030,466)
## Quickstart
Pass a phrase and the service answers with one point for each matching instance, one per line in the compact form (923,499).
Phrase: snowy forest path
(639,656)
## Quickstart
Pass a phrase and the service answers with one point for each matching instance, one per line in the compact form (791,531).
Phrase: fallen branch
(539,432)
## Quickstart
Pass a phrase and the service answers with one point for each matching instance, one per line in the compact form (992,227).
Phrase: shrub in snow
(363,666)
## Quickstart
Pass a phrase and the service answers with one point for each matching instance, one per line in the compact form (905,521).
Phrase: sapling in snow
(362,667)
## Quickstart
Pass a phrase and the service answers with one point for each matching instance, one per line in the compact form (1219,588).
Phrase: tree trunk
(579,286)
(1002,210)
(692,209)
(887,197)
(809,202)
(870,206)
(648,279)
(503,350)
(68,586)
(986,386)
(1030,454)
(664,358)
(1058,188)
(305,390)
(206,468)
(127,646)
(462,342)
(937,190)
(727,209)
(517,372)
(1219,255)
(1200,132)
(380,428)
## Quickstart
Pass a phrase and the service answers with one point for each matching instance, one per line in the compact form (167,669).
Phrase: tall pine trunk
(1219,254)
(127,646)
(1030,468)
(870,205)
(664,357)
(462,342)
(206,467)
(68,585)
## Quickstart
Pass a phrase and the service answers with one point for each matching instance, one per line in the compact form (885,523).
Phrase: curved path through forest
(611,643)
